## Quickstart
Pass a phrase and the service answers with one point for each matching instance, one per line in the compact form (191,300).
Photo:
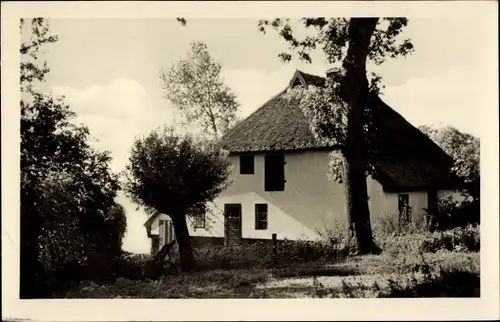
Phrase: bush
(388,224)
(458,239)
(260,254)
(441,274)
(452,213)
(334,233)
(296,251)
(457,281)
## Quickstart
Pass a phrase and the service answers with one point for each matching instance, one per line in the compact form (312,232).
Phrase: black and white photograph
(270,156)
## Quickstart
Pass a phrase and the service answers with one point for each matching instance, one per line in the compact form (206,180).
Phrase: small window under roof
(298,82)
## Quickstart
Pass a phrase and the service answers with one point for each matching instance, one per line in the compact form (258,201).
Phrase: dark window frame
(274,172)
(228,207)
(200,217)
(247,164)
(261,209)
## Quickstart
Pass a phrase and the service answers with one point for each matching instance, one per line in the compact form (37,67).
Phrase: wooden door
(232,224)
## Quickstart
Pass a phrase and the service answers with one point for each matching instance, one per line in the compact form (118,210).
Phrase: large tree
(175,175)
(195,87)
(67,189)
(340,112)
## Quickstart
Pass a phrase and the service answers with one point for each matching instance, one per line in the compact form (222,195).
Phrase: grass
(398,272)
(437,274)
(414,263)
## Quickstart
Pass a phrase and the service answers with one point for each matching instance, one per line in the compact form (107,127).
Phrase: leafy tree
(464,149)
(339,112)
(67,190)
(195,87)
(39,35)
(177,176)
(116,222)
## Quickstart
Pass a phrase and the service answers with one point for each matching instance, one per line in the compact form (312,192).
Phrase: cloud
(119,99)
(452,97)
(115,114)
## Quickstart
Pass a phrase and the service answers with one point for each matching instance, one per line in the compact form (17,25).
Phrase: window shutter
(170,231)
(162,233)
(274,172)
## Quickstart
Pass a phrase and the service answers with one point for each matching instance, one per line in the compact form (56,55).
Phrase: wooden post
(275,248)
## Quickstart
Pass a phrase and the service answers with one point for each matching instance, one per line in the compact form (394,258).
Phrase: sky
(108,70)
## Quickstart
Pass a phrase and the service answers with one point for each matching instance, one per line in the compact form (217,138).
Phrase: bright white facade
(309,203)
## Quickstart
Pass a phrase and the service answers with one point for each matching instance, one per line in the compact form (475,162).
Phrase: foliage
(67,190)
(245,256)
(116,221)
(259,253)
(334,232)
(388,224)
(195,87)
(39,35)
(176,175)
(453,213)
(457,239)
(171,172)
(464,148)
(465,239)
(332,36)
(326,108)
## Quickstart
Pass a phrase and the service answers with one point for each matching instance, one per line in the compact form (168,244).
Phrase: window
(199,220)
(404,208)
(232,211)
(261,216)
(297,82)
(274,172)
(246,164)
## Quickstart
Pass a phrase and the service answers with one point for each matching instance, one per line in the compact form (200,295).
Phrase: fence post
(275,248)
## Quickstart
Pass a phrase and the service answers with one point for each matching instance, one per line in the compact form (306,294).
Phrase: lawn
(444,264)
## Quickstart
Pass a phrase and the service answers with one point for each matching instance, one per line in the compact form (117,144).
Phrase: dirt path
(331,286)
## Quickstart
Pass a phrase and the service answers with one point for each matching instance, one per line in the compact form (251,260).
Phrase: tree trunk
(184,242)
(354,92)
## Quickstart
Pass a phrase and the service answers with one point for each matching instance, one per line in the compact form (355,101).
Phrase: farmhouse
(280,183)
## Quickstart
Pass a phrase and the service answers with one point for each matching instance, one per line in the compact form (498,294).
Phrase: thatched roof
(408,159)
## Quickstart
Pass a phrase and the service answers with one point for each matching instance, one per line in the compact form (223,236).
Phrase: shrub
(334,233)
(388,224)
(441,282)
(260,254)
(453,213)
(457,239)
(441,274)
(295,251)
